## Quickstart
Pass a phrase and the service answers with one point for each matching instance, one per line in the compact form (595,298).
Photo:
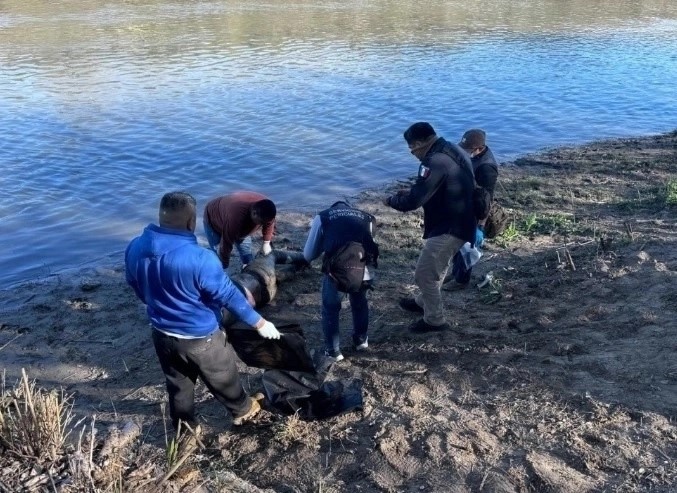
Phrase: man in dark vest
(485,168)
(484,164)
(331,230)
(444,188)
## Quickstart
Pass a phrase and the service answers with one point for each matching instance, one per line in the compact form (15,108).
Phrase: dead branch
(178,464)
(135,391)
(570,261)
(119,438)
(27,388)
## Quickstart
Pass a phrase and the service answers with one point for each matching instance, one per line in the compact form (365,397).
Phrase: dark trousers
(459,271)
(331,306)
(213,360)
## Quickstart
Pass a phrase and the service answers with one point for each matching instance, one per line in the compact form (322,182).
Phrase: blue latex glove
(479,237)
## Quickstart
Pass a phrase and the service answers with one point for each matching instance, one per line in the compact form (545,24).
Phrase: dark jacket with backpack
(341,224)
(344,234)
(444,188)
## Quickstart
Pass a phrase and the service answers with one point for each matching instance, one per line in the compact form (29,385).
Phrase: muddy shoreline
(558,376)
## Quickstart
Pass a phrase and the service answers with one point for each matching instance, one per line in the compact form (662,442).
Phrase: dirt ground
(558,376)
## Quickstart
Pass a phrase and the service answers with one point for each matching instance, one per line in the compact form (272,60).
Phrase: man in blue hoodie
(184,287)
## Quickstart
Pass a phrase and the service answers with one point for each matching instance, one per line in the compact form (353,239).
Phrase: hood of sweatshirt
(156,240)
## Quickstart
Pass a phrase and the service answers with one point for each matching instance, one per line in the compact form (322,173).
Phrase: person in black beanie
(444,188)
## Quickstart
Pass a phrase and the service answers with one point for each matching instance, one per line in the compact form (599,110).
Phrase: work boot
(254,409)
(422,327)
(410,305)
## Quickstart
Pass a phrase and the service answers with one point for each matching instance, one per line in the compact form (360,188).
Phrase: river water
(106,105)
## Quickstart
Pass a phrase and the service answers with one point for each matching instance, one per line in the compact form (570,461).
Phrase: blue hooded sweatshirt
(182,284)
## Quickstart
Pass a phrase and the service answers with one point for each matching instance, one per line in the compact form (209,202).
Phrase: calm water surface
(106,105)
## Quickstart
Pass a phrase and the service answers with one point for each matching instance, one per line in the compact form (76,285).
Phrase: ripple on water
(106,107)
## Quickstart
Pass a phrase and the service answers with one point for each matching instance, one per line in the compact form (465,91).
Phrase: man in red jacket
(232,219)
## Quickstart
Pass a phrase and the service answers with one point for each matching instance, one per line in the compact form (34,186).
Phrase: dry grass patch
(37,453)
(293,429)
(34,423)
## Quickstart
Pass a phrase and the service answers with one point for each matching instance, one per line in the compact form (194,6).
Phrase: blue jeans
(213,238)
(244,247)
(331,306)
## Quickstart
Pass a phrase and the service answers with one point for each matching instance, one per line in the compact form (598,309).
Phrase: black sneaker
(422,327)
(410,305)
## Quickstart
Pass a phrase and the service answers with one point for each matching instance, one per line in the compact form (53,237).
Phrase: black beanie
(419,131)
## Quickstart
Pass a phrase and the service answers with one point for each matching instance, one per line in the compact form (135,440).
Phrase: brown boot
(254,409)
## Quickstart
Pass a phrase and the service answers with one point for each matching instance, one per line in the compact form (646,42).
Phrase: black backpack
(346,267)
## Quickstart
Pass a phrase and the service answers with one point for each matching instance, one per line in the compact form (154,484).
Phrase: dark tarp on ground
(292,392)
(293,382)
(286,353)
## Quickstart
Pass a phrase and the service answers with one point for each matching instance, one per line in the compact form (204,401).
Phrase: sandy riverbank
(560,376)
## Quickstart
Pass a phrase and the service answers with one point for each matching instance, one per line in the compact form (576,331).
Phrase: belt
(165,334)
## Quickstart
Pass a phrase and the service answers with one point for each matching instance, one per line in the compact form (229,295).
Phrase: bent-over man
(331,230)
(232,219)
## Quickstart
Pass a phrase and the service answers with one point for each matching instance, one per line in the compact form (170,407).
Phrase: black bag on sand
(309,395)
(294,381)
(496,222)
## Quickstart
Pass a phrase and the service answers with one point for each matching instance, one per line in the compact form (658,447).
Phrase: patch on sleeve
(423,172)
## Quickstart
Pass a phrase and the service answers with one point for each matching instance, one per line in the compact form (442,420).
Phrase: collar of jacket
(437,146)
(170,231)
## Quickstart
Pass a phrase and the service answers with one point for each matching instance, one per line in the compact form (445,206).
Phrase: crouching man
(344,234)
(184,287)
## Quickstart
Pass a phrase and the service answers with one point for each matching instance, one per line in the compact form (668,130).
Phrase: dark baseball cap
(473,139)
